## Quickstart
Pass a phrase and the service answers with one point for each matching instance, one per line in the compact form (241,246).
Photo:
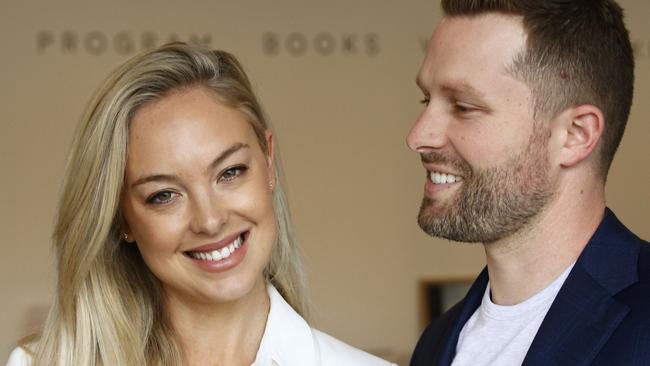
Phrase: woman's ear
(126,235)
(128,238)
(125,231)
(583,128)
(269,158)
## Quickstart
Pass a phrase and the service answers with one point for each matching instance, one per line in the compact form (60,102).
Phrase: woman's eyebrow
(225,154)
(172,178)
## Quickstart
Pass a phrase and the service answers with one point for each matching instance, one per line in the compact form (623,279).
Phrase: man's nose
(429,131)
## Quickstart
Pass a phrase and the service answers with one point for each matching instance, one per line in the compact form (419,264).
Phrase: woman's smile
(197,201)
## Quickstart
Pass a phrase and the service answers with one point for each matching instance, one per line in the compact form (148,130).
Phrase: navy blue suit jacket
(601,316)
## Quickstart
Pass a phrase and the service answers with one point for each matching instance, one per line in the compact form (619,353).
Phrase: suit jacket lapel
(581,319)
(470,303)
(585,313)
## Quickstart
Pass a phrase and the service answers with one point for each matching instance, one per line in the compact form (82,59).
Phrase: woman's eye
(425,101)
(162,197)
(232,173)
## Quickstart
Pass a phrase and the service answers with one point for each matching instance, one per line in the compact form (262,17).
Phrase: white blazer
(287,341)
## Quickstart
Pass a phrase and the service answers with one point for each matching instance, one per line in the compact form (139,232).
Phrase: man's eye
(463,108)
(233,172)
(162,197)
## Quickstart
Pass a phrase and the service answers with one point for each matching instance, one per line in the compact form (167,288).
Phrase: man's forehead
(472,56)
(454,26)
(487,16)
(477,41)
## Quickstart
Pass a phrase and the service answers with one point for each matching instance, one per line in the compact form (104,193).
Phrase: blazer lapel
(470,303)
(581,319)
(585,312)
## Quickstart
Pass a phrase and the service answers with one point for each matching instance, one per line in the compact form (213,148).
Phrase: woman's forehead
(187,125)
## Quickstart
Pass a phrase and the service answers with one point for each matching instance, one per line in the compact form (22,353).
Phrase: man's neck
(525,263)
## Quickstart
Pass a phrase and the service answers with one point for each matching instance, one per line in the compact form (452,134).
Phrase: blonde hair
(108,308)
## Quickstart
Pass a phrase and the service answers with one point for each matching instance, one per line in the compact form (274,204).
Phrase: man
(525,104)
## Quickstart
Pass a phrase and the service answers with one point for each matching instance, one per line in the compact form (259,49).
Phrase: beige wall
(341,111)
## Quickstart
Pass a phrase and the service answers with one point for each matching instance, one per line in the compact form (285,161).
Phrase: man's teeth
(442,178)
(219,254)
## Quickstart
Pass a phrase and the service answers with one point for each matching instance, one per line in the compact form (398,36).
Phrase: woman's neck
(223,333)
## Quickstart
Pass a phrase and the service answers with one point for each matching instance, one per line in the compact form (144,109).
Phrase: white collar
(287,339)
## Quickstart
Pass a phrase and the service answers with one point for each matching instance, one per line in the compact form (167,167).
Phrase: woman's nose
(207,216)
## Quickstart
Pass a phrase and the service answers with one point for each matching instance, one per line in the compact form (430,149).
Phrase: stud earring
(125,236)
(271,185)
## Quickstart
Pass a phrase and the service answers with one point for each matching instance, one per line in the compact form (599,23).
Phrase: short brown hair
(577,52)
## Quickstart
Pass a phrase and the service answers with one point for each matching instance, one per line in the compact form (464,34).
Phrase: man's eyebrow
(454,87)
(461,87)
(172,178)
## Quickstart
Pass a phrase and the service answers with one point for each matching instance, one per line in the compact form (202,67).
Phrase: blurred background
(337,81)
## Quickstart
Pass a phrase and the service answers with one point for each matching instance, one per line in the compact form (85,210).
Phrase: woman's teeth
(218,254)
(442,178)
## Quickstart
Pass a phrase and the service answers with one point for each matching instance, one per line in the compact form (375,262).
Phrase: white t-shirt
(498,335)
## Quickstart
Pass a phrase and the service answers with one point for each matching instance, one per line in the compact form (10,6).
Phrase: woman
(172,239)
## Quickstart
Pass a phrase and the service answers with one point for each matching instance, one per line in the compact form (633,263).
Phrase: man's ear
(269,157)
(582,130)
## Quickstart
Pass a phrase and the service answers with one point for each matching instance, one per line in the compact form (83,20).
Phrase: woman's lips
(221,256)
(212,252)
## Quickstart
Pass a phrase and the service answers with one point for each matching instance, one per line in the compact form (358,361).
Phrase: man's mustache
(444,158)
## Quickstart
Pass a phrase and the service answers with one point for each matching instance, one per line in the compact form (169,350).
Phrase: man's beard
(491,203)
